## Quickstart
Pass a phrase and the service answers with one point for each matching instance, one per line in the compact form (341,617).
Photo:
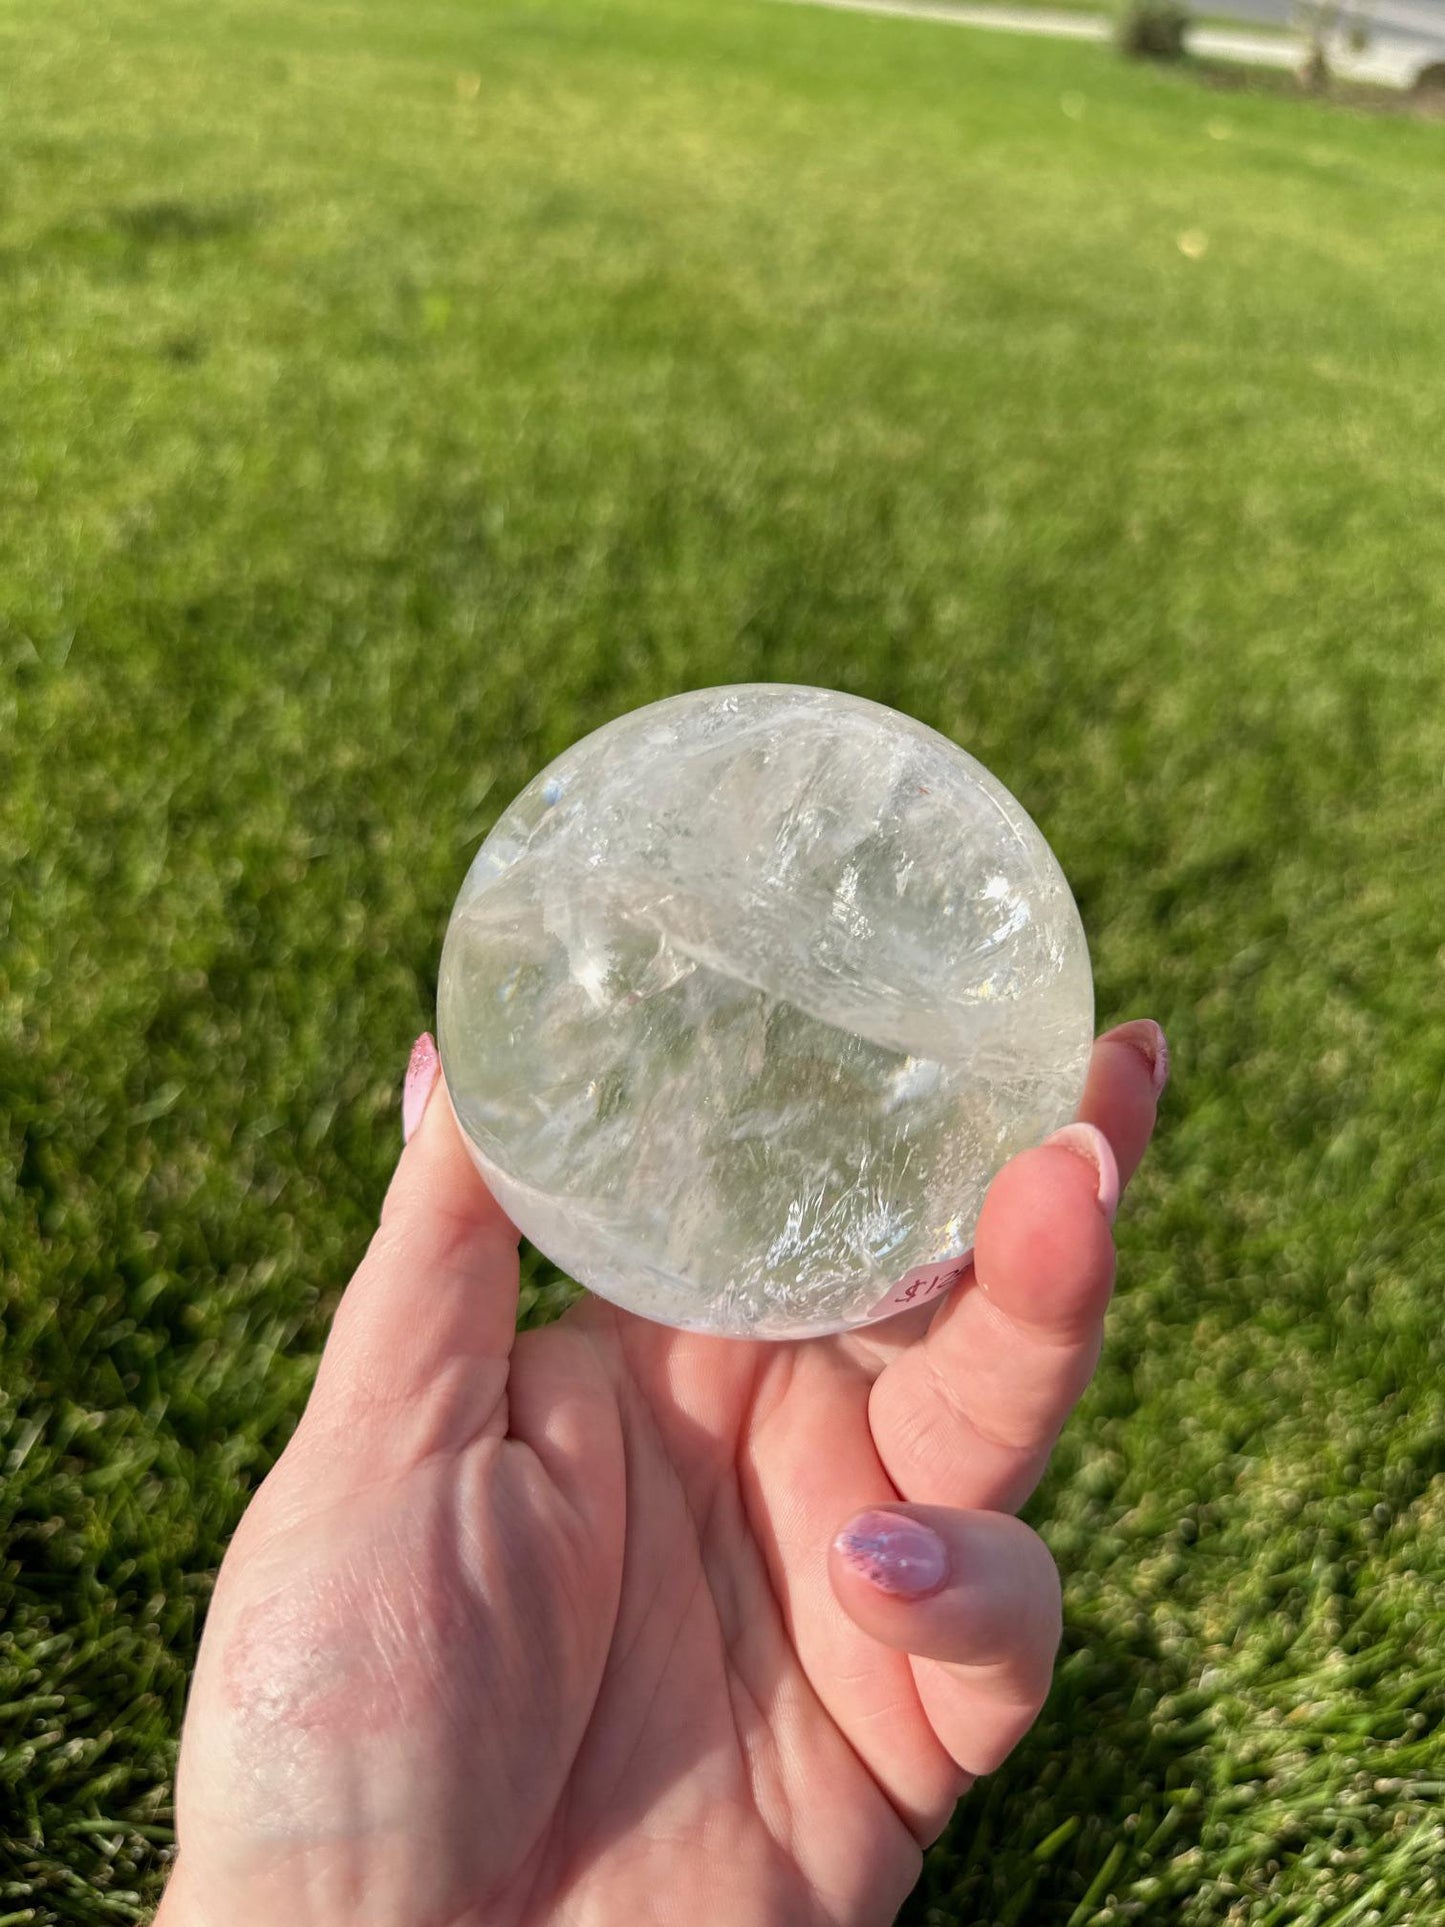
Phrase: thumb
(420,1345)
(973,1597)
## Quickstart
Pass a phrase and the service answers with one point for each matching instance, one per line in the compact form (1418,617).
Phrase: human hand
(608,1623)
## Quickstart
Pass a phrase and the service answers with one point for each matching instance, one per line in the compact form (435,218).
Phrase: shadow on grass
(177,220)
(122,236)
(1424,101)
(1101,1792)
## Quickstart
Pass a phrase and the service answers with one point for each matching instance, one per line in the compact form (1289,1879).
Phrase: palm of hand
(546,1630)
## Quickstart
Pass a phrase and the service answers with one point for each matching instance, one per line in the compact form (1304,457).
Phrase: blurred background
(391,392)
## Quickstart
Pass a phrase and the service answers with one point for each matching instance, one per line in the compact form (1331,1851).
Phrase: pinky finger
(973,1597)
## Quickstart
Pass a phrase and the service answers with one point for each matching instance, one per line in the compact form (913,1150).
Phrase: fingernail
(422,1072)
(1145,1036)
(1088,1142)
(896,1554)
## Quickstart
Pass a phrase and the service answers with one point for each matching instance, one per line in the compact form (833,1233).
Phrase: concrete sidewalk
(1384,62)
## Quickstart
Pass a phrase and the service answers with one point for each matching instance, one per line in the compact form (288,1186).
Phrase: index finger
(1117,1099)
(967,1417)
(419,1350)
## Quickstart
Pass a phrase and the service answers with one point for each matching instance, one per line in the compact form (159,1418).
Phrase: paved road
(1387,61)
(1421,22)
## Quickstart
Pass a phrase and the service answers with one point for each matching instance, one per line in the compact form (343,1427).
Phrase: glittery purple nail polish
(896,1554)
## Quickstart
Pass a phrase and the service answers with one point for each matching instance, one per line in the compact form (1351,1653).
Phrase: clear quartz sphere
(747,997)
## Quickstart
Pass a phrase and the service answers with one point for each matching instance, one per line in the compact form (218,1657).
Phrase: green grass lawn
(390,393)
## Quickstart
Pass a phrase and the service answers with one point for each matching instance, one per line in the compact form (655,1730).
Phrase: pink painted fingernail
(1088,1142)
(422,1072)
(898,1555)
(1146,1037)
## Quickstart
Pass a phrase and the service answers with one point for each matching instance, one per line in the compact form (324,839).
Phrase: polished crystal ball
(747,997)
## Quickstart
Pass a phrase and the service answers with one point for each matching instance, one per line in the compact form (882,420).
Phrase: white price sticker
(924,1282)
